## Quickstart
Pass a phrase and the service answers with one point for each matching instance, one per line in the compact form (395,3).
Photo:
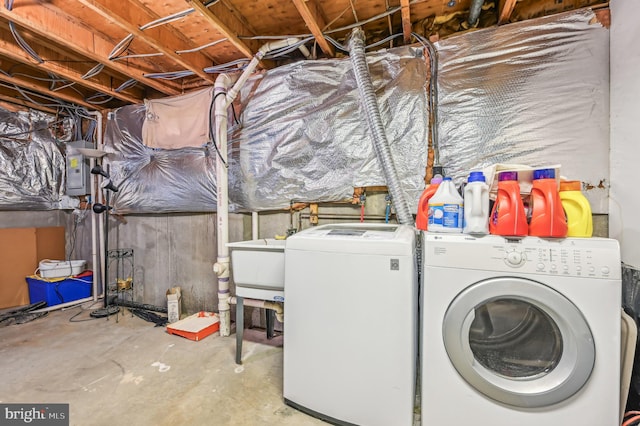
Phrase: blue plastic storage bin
(57,292)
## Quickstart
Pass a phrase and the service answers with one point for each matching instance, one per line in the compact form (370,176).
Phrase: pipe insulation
(374,120)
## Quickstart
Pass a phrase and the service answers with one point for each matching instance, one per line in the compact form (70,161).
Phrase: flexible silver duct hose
(374,120)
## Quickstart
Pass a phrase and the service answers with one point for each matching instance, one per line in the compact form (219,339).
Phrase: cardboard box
(20,251)
(174,304)
(196,327)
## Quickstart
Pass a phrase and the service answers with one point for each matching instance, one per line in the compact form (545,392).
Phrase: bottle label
(445,215)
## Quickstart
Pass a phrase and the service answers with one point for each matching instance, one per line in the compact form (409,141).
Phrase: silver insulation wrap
(32,165)
(533,93)
(302,136)
(374,121)
(156,180)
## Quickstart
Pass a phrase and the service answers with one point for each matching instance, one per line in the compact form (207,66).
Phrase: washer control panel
(574,257)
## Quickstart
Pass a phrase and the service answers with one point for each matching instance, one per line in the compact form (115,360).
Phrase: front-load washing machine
(350,329)
(520,331)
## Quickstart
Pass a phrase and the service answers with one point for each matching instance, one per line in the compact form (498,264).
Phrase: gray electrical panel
(78,173)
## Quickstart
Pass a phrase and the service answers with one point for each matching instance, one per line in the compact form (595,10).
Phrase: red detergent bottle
(422,218)
(547,215)
(508,217)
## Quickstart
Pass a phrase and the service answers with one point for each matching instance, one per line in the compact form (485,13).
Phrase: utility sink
(258,264)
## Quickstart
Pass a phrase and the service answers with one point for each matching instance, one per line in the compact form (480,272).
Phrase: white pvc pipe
(94,240)
(305,52)
(264,304)
(65,305)
(255,229)
(94,234)
(221,267)
(224,84)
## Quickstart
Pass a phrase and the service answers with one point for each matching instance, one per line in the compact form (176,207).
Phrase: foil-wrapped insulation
(31,161)
(303,136)
(535,93)
(152,180)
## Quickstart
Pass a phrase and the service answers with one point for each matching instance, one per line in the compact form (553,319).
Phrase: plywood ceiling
(102,54)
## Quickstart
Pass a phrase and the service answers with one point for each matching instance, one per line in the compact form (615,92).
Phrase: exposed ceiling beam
(55,63)
(8,98)
(312,16)
(223,27)
(236,13)
(406,20)
(130,12)
(43,88)
(63,29)
(506,9)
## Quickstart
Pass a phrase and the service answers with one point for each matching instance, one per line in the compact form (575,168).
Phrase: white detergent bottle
(476,205)
(446,208)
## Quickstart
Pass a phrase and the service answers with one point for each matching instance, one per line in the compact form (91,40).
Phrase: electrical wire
(82,310)
(27,132)
(383,41)
(93,99)
(121,47)
(196,49)
(228,66)
(336,44)
(166,19)
(56,103)
(127,84)
(23,44)
(211,129)
(233,112)
(138,55)
(173,75)
(93,72)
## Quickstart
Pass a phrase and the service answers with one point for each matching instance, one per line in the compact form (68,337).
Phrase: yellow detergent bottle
(577,208)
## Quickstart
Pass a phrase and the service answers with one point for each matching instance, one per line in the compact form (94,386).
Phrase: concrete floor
(132,372)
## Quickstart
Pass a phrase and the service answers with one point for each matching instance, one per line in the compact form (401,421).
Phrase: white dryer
(350,329)
(520,332)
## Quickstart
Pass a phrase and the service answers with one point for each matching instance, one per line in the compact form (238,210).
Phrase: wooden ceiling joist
(405,11)
(506,9)
(77,38)
(224,28)
(43,88)
(312,16)
(9,97)
(128,13)
(55,63)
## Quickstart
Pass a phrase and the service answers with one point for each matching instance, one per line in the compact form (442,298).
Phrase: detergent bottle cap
(438,171)
(570,185)
(502,176)
(476,177)
(446,178)
(544,174)
(436,179)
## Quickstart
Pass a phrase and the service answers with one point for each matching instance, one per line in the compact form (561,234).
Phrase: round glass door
(519,342)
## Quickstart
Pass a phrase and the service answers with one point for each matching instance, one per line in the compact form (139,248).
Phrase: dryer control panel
(570,257)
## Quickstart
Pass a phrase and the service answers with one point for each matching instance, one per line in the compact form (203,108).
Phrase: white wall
(624,205)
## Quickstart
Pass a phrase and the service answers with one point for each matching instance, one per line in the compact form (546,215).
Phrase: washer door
(519,342)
